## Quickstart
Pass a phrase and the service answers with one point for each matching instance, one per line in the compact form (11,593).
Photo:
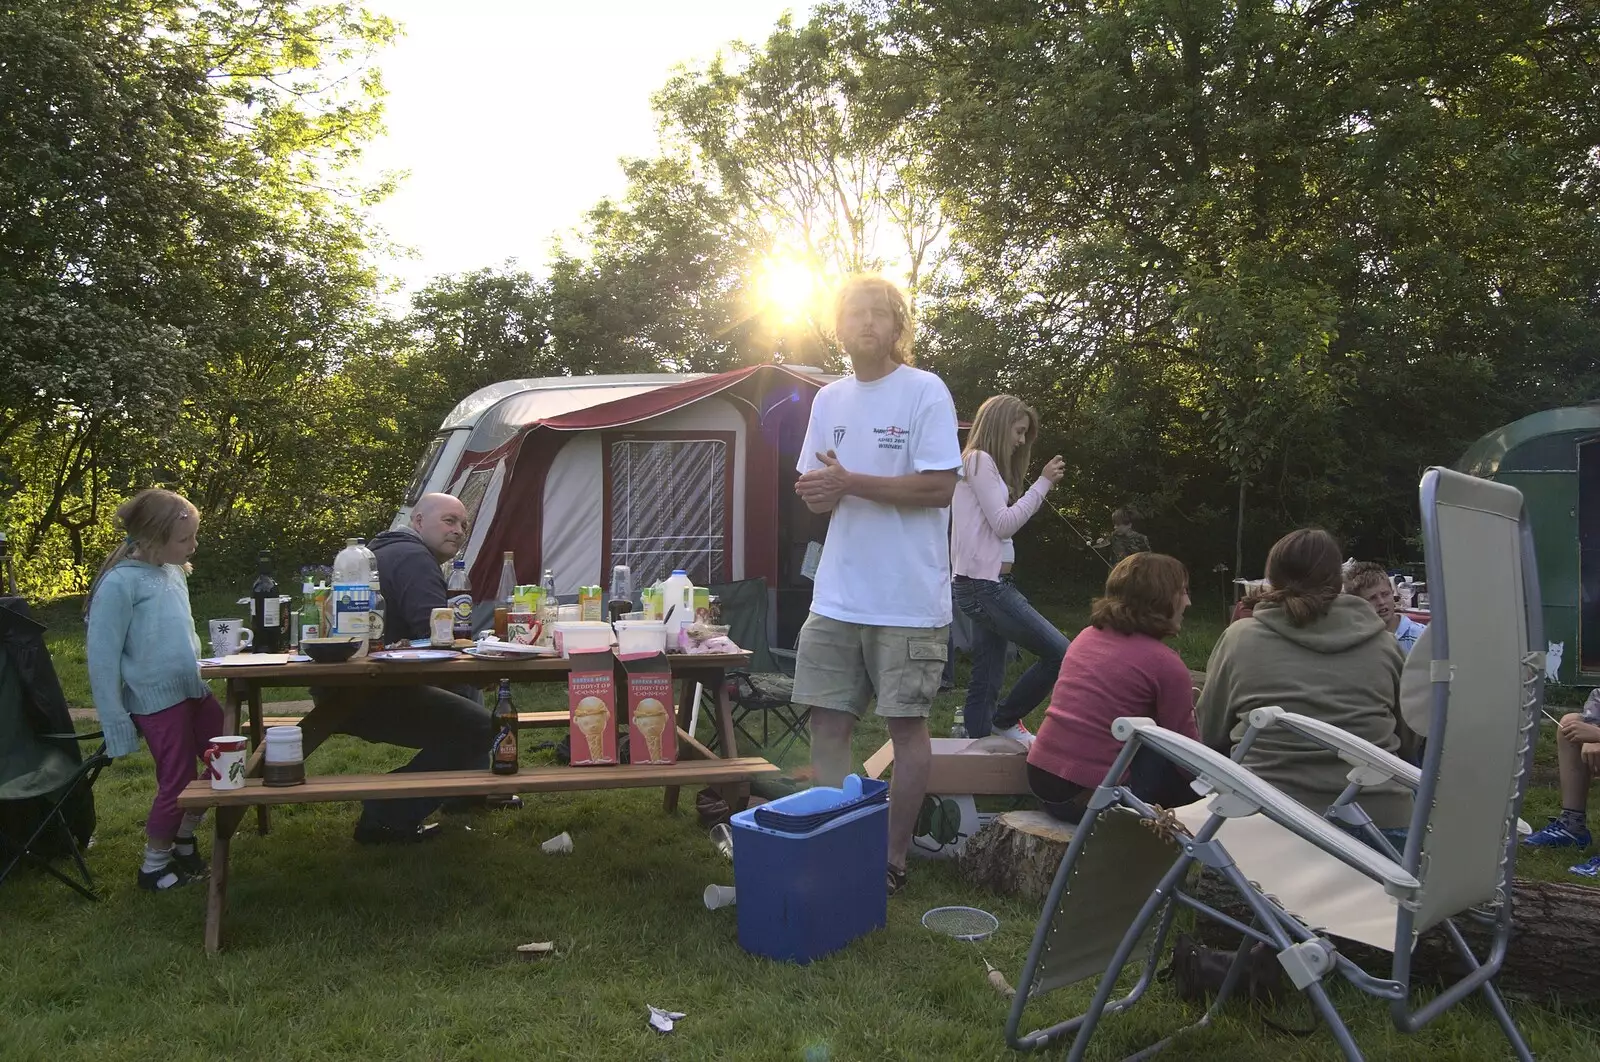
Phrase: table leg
(736,794)
(669,800)
(226,820)
(258,737)
(233,695)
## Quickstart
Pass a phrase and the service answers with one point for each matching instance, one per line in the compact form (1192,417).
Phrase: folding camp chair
(1304,878)
(762,692)
(41,778)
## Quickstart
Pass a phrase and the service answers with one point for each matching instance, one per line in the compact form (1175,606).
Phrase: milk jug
(352,594)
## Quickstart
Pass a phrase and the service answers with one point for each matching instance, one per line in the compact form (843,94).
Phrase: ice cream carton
(652,723)
(592,709)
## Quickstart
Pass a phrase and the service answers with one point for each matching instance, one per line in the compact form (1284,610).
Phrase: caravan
(658,472)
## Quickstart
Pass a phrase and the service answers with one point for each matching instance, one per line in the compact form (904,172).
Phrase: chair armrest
(1239,793)
(74,736)
(1374,766)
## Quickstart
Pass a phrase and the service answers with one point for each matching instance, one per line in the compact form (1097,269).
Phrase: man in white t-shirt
(881,455)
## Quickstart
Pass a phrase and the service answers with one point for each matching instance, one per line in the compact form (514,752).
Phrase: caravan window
(425,468)
(668,497)
(471,496)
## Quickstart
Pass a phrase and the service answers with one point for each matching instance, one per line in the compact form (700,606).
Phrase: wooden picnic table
(697,764)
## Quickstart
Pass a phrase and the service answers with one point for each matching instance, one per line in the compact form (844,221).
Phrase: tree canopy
(1256,263)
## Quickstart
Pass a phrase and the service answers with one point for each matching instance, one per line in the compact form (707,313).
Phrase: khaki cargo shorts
(842,665)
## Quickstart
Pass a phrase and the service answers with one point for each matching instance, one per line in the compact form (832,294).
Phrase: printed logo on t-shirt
(838,436)
(892,438)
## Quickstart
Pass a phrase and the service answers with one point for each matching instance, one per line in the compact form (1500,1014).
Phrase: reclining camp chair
(762,692)
(1304,878)
(46,806)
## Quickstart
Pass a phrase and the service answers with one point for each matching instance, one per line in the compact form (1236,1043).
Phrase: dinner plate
(246,660)
(505,649)
(412,655)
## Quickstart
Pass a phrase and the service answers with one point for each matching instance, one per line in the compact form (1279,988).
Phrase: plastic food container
(579,637)
(641,636)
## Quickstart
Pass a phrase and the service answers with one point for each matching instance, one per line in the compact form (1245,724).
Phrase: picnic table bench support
(227,821)
(736,795)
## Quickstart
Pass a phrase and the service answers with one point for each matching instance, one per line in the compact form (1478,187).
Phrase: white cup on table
(228,636)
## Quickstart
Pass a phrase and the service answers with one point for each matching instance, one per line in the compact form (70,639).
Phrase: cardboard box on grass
(652,720)
(592,709)
(962,768)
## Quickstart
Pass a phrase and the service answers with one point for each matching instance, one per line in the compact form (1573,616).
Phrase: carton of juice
(592,709)
(590,608)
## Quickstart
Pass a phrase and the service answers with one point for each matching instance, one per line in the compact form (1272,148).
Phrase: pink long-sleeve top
(1107,674)
(981,523)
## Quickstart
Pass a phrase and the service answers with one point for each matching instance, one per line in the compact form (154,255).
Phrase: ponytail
(1303,604)
(117,556)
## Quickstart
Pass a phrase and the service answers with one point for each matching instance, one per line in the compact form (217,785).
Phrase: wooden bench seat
(334,787)
(524,719)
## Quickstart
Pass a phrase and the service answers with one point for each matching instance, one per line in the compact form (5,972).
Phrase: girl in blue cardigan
(144,672)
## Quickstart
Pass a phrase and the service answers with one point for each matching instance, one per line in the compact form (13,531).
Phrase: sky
(511,116)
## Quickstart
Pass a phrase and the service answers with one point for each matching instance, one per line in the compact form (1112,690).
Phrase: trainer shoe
(1589,868)
(1016,732)
(1557,834)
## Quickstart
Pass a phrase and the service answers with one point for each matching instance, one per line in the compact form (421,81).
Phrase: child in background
(144,672)
(1123,540)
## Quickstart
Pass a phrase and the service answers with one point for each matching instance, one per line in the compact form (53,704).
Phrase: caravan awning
(638,407)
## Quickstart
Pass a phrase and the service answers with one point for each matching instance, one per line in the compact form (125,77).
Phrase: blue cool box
(805,894)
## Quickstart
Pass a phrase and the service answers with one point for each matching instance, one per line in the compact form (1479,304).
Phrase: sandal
(897,879)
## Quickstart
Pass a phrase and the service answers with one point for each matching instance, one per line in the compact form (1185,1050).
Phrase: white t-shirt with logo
(885,565)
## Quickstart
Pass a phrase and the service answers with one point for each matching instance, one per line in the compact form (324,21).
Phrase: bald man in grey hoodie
(449,727)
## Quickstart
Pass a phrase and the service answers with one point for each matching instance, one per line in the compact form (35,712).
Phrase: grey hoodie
(1343,668)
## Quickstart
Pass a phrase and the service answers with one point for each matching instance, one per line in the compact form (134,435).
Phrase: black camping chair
(46,799)
(765,689)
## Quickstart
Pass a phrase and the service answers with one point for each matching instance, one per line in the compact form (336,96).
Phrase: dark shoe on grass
(389,835)
(190,863)
(897,879)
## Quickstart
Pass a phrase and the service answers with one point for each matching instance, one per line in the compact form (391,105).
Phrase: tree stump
(1016,854)
(1551,953)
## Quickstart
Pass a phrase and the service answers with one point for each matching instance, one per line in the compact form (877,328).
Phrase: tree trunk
(1238,536)
(1551,953)
(1016,854)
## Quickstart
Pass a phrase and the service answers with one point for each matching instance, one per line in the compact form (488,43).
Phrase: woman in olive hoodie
(1315,651)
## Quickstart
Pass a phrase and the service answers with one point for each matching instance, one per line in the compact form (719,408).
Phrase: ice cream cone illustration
(592,719)
(650,717)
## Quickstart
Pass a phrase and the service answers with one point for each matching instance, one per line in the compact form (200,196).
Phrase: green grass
(340,952)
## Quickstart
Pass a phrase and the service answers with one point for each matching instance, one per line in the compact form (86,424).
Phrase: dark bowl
(329,650)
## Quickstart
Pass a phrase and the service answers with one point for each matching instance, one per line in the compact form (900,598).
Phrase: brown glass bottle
(503,753)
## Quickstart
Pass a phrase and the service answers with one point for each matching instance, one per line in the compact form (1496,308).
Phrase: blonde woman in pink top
(992,503)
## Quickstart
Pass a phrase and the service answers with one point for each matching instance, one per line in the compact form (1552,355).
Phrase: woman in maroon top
(1118,666)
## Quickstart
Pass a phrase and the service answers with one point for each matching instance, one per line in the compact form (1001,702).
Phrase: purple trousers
(177,736)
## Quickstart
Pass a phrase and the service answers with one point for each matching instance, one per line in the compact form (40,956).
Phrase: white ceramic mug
(224,760)
(228,636)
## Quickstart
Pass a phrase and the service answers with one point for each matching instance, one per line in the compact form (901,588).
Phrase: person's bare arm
(822,489)
(927,490)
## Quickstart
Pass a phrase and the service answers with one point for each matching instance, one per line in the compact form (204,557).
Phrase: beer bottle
(503,755)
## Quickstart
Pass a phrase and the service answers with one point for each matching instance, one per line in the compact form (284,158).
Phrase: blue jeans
(1000,614)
